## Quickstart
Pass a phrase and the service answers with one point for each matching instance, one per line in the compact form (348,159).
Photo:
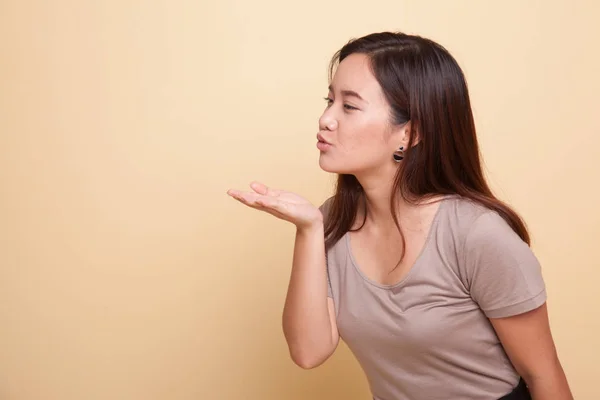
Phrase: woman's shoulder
(325,207)
(467,216)
(464,209)
(474,225)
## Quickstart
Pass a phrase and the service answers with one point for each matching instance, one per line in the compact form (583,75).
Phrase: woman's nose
(327,123)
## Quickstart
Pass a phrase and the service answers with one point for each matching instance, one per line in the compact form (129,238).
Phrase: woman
(426,275)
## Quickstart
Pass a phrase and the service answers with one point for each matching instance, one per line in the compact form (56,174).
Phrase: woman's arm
(528,342)
(308,317)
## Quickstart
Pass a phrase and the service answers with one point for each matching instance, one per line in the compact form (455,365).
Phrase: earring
(399,154)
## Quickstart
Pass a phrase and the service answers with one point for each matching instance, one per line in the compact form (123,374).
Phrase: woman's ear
(410,131)
(402,136)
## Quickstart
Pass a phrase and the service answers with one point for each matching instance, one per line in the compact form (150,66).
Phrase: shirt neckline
(404,279)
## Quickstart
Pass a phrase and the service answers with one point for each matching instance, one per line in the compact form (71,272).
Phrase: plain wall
(125,270)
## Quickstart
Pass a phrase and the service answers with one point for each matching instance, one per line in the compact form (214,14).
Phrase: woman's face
(355,134)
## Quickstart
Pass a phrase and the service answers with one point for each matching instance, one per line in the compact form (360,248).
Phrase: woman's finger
(246,198)
(264,203)
(263,189)
(255,200)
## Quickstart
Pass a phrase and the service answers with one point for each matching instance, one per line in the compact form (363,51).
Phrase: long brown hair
(423,84)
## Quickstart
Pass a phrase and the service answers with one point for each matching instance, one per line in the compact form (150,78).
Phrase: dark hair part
(423,84)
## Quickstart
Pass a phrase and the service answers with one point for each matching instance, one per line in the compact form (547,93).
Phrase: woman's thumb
(259,188)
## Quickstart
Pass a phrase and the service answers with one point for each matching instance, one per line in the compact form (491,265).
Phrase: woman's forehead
(354,74)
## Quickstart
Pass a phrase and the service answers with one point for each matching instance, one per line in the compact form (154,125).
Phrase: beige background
(125,270)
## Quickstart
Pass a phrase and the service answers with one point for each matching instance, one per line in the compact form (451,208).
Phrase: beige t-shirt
(428,337)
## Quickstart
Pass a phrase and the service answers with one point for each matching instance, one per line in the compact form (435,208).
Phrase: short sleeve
(504,276)
(324,208)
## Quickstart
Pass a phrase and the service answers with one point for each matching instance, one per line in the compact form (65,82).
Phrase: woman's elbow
(308,360)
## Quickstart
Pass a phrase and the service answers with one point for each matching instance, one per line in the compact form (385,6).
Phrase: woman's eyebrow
(349,93)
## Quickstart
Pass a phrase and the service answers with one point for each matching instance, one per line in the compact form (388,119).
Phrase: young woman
(414,263)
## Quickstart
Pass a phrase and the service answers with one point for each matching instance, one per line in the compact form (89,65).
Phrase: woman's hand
(284,205)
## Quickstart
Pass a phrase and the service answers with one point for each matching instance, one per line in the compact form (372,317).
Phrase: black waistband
(521,392)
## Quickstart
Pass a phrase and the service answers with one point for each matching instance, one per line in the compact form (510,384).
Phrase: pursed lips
(320,138)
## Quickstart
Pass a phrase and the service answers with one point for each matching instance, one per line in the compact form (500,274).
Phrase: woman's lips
(322,144)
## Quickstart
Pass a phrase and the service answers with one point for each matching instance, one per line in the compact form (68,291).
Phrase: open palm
(280,203)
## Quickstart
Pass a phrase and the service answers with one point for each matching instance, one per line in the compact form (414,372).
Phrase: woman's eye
(346,106)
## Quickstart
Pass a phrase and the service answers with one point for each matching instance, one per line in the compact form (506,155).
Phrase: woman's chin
(325,165)
(328,166)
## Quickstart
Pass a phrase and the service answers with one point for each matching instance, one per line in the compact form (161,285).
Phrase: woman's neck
(378,193)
